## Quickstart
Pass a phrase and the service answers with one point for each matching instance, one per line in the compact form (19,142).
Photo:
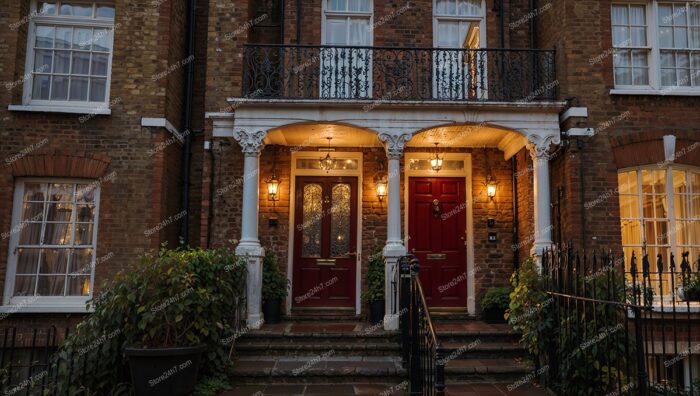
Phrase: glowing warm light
(86,287)
(381,190)
(436,163)
(491,190)
(273,186)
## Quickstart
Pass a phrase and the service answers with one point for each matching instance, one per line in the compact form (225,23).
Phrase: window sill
(15,309)
(656,92)
(94,110)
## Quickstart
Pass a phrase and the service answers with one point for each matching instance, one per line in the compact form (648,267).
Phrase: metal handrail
(421,351)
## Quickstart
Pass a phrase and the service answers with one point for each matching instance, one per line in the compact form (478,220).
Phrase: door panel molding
(465,173)
(295,171)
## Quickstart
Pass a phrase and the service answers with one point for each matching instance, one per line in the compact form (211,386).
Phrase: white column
(394,248)
(539,150)
(249,245)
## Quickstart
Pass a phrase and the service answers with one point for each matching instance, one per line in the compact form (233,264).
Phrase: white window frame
(654,43)
(481,19)
(325,14)
(63,106)
(670,219)
(44,303)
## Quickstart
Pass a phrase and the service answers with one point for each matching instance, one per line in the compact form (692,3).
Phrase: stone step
(475,371)
(335,389)
(317,369)
(494,389)
(293,347)
(483,350)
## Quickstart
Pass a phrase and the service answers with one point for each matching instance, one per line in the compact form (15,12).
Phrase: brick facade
(146,162)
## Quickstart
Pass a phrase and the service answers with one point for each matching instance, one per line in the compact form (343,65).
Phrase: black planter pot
(272,312)
(164,371)
(376,311)
(494,315)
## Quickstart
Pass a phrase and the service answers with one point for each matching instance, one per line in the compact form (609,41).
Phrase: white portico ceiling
(314,135)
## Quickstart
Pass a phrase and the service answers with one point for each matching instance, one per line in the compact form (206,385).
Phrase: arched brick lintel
(630,152)
(90,166)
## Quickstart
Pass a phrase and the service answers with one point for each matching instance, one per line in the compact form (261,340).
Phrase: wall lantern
(327,163)
(491,189)
(381,190)
(273,182)
(436,163)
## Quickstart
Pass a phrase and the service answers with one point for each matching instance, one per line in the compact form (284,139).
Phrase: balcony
(341,73)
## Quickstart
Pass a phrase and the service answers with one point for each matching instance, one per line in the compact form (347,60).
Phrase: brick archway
(61,165)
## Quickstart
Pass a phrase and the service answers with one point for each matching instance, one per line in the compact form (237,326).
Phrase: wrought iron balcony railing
(393,74)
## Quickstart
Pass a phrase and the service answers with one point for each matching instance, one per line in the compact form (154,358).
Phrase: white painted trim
(467,175)
(669,91)
(292,211)
(348,15)
(38,308)
(160,122)
(55,108)
(654,62)
(581,112)
(29,62)
(55,304)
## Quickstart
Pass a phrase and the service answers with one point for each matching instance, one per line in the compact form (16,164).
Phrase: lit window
(70,53)
(53,240)
(660,208)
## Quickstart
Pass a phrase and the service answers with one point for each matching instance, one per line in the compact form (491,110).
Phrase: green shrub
(374,278)
(496,298)
(177,298)
(529,309)
(275,285)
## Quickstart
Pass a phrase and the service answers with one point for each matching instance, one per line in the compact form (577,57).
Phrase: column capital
(539,145)
(394,143)
(251,141)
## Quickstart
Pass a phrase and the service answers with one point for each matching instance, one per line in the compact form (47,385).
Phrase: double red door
(437,234)
(325,242)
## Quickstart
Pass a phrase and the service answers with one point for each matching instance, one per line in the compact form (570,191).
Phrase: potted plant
(159,317)
(274,288)
(374,295)
(494,304)
(691,290)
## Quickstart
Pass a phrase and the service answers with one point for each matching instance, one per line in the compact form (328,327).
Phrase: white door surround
(295,171)
(465,173)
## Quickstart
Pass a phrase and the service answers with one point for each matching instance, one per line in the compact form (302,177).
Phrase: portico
(398,128)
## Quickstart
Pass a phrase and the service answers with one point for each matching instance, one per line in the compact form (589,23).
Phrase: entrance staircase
(344,356)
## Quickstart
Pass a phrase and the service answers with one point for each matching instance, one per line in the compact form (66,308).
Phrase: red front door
(325,242)
(437,234)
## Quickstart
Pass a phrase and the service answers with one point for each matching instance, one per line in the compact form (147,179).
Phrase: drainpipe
(516,237)
(298,21)
(502,22)
(187,149)
(533,33)
(281,21)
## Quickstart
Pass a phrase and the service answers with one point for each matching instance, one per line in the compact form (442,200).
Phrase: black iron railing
(422,354)
(393,74)
(621,325)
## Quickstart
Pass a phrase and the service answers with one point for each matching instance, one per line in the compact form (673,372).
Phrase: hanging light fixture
(273,182)
(327,163)
(436,163)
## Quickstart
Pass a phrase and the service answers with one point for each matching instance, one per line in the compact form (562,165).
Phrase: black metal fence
(392,74)
(422,354)
(621,325)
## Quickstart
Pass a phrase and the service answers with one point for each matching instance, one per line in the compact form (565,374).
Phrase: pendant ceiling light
(327,163)
(436,163)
